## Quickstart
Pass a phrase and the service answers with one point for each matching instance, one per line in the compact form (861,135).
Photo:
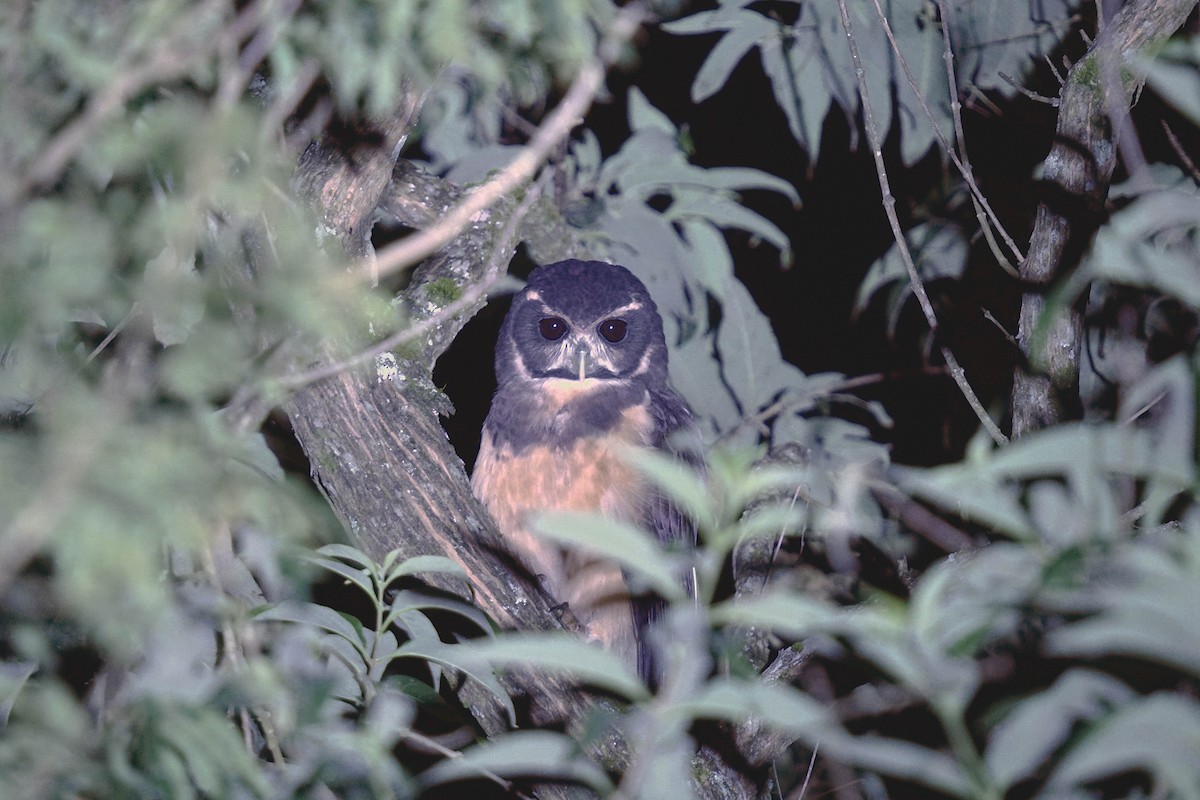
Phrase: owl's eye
(552,328)
(613,329)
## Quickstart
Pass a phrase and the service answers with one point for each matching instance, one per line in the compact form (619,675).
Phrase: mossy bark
(1099,89)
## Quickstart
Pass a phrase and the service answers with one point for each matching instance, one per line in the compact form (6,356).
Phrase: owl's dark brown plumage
(581,370)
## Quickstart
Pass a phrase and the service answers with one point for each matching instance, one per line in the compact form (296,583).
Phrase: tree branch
(548,136)
(1077,172)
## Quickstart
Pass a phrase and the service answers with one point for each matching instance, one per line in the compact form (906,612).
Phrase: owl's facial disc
(582,326)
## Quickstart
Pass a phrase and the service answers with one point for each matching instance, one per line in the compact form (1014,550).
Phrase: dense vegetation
(232,227)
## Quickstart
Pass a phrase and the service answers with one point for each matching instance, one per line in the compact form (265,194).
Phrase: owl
(581,372)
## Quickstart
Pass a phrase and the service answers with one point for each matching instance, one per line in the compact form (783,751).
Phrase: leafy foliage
(181,617)
(810,70)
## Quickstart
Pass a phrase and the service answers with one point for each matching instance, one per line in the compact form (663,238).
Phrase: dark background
(837,233)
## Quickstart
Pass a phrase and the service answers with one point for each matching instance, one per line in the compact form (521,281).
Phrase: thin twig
(1032,95)
(889,206)
(554,129)
(1054,70)
(1180,153)
(983,209)
(792,401)
(1149,404)
(112,334)
(812,762)
(473,294)
(992,319)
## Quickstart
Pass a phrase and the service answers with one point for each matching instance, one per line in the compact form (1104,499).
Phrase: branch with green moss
(1099,88)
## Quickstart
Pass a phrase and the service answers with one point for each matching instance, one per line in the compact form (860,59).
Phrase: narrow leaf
(789,614)
(1030,734)
(319,617)
(1159,733)
(561,653)
(464,658)
(13,676)
(779,706)
(543,754)
(626,544)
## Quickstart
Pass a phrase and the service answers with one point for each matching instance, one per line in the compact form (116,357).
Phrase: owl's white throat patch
(560,390)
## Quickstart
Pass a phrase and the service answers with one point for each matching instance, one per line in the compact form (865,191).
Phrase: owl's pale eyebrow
(554,312)
(551,310)
(634,306)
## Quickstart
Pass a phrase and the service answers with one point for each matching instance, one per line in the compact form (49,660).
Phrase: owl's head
(582,321)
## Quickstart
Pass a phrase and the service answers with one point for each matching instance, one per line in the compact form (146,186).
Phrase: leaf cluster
(162,629)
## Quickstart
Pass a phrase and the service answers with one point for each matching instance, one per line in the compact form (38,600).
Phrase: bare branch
(1180,153)
(1053,102)
(889,207)
(983,209)
(473,296)
(549,134)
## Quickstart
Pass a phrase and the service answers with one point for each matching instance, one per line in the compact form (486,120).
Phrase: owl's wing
(666,521)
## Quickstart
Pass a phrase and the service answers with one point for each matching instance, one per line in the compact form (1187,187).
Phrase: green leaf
(742,178)
(564,654)
(725,212)
(751,364)
(1147,610)
(421,564)
(778,706)
(173,295)
(628,545)
(356,575)
(347,553)
(902,759)
(713,263)
(13,675)
(1151,242)
(1039,725)
(938,251)
(409,600)
(319,617)
(1009,38)
(771,522)
(799,90)
(469,658)
(729,15)
(747,30)
(418,690)
(790,614)
(643,116)
(1159,733)
(973,492)
(968,600)
(676,479)
(541,754)
(1172,75)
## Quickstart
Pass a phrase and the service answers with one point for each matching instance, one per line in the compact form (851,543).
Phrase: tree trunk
(1099,89)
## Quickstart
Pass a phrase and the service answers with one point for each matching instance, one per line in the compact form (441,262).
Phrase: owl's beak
(585,362)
